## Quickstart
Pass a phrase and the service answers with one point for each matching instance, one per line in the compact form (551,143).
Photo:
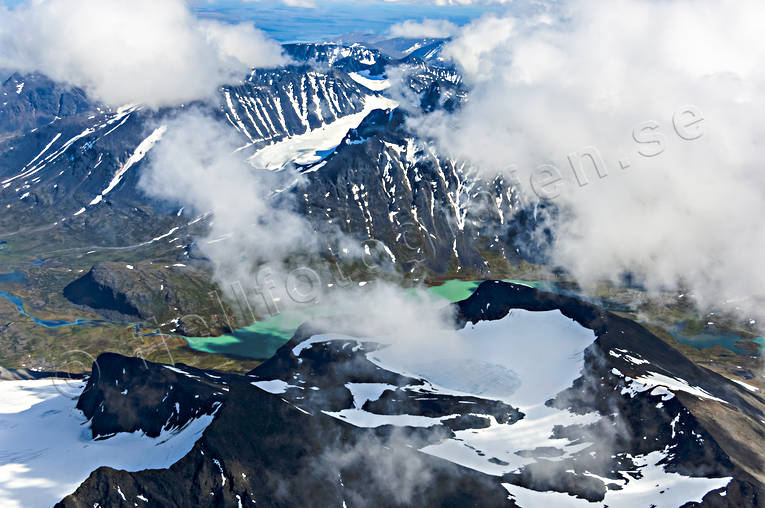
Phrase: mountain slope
(383,183)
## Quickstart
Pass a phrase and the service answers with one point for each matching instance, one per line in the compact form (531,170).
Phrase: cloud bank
(196,165)
(313,4)
(263,253)
(639,119)
(139,51)
(307,4)
(430,28)
(457,2)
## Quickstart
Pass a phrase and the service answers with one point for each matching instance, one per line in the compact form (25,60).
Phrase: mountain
(394,185)
(231,464)
(70,167)
(350,57)
(151,293)
(522,420)
(78,171)
(272,105)
(114,395)
(34,101)
(400,48)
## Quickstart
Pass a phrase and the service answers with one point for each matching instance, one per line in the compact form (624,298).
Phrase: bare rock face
(429,211)
(128,395)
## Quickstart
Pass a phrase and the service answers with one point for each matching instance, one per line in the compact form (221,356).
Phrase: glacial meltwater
(262,339)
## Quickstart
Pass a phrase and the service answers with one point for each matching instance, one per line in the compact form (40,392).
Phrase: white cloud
(253,232)
(140,51)
(431,28)
(195,165)
(313,4)
(309,4)
(546,87)
(306,4)
(457,2)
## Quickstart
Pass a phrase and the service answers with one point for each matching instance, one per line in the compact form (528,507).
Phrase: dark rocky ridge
(263,449)
(330,366)
(33,101)
(129,394)
(350,57)
(174,297)
(282,450)
(698,437)
(272,105)
(95,291)
(612,332)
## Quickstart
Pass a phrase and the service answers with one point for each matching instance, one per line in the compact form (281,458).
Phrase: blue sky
(332,18)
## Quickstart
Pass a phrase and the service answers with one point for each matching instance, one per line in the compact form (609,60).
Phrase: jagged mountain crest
(33,101)
(384,178)
(273,105)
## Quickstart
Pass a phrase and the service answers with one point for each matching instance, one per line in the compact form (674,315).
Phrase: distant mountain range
(70,166)
(71,162)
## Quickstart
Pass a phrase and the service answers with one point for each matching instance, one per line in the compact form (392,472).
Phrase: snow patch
(275,386)
(656,487)
(139,153)
(363,392)
(307,148)
(654,379)
(746,385)
(361,418)
(376,85)
(47,449)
